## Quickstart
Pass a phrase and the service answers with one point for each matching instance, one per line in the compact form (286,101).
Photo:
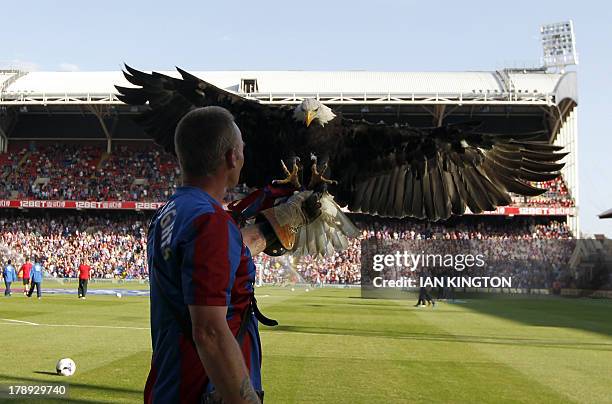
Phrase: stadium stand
(72,172)
(68,138)
(116,243)
(557,194)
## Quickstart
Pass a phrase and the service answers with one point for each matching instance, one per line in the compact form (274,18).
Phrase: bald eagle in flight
(380,169)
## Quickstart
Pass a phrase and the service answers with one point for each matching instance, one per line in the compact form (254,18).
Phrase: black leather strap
(259,316)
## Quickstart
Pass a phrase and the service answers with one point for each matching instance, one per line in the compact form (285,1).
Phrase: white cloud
(226,38)
(19,65)
(69,67)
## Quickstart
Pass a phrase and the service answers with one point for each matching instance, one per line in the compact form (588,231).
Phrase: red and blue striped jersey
(197,256)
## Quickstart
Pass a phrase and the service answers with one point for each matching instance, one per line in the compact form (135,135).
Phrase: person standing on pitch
(424,295)
(204,330)
(36,276)
(10,276)
(24,273)
(84,269)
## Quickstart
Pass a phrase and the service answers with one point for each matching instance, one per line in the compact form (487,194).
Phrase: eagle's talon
(317,177)
(285,169)
(292,177)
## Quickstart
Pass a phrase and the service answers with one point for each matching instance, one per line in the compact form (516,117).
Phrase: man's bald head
(202,139)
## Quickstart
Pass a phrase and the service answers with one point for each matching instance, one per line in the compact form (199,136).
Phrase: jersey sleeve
(210,260)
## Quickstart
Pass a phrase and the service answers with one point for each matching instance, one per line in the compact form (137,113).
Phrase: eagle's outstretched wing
(266,129)
(434,173)
(382,169)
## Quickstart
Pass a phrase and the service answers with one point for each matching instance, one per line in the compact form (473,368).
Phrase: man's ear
(231,158)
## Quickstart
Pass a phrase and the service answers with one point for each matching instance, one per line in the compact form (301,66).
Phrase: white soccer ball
(119,295)
(307,290)
(65,367)
(293,289)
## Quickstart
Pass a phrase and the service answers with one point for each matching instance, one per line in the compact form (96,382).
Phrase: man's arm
(254,236)
(301,209)
(221,355)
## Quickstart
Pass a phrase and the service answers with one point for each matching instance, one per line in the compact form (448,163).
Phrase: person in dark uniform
(36,276)
(424,296)
(10,275)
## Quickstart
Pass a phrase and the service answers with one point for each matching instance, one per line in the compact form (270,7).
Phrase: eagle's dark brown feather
(382,169)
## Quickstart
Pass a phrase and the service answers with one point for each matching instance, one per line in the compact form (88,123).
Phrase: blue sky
(329,35)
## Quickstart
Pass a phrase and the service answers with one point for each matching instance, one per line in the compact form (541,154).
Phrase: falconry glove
(285,219)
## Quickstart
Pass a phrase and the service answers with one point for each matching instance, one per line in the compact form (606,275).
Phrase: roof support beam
(438,114)
(3,141)
(97,111)
(562,112)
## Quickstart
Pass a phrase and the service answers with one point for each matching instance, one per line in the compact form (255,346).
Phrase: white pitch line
(18,321)
(97,326)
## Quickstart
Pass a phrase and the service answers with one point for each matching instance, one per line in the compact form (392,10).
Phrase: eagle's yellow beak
(310,115)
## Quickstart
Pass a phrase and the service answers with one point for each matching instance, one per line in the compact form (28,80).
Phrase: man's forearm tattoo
(247,392)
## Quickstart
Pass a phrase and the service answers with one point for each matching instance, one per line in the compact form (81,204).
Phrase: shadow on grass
(445,337)
(585,314)
(41,372)
(549,311)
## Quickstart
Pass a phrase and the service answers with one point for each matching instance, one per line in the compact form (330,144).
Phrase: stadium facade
(82,107)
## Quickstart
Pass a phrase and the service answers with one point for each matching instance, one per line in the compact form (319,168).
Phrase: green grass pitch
(333,347)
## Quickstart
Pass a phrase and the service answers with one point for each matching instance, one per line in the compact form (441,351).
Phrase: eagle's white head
(312,110)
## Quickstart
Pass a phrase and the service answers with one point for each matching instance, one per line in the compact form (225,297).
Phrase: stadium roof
(504,86)
(83,105)
(5,76)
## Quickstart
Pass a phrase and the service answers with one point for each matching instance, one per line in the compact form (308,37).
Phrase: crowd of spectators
(115,243)
(130,173)
(556,195)
(342,268)
(137,175)
(9,174)
(76,172)
(463,228)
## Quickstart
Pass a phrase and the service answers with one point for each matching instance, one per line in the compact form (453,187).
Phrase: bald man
(205,337)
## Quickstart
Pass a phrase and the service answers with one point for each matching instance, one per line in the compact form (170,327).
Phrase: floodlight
(559,44)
